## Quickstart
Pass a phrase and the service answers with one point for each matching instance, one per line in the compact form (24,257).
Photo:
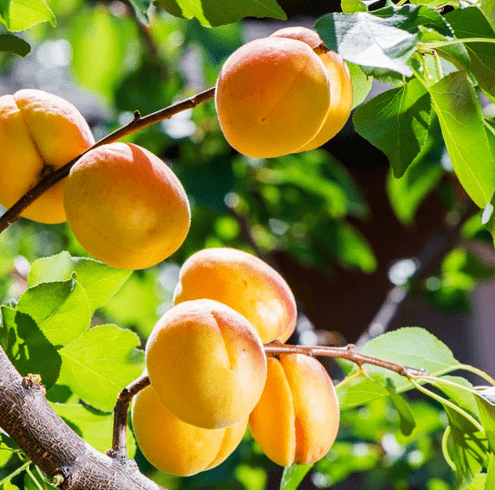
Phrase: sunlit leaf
(220,12)
(472,23)
(486,405)
(18,15)
(98,365)
(94,427)
(459,114)
(100,281)
(293,476)
(60,309)
(361,84)
(409,346)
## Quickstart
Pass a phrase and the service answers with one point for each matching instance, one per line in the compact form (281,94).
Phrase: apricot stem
(138,122)
(348,352)
(119,446)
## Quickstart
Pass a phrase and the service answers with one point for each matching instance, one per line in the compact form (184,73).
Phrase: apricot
(246,284)
(206,364)
(341,92)
(125,206)
(176,447)
(39,133)
(272,97)
(297,417)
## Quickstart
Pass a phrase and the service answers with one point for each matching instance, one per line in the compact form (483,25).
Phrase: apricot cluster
(124,205)
(210,378)
(276,95)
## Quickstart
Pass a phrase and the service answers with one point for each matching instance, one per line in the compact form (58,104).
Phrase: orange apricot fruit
(206,364)
(39,133)
(125,206)
(245,283)
(272,97)
(174,446)
(341,92)
(297,417)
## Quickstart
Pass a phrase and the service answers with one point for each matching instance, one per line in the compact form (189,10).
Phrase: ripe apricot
(206,364)
(297,417)
(125,206)
(246,284)
(272,97)
(39,133)
(340,86)
(177,447)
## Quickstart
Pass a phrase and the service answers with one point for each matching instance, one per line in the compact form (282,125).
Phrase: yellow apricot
(246,284)
(341,92)
(272,96)
(39,133)
(206,364)
(297,417)
(174,446)
(125,206)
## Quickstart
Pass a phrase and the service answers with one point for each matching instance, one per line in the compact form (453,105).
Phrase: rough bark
(50,443)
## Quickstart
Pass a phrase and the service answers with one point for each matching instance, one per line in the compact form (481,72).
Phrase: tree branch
(52,445)
(12,214)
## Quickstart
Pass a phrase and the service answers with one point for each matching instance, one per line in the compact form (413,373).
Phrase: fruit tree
(239,243)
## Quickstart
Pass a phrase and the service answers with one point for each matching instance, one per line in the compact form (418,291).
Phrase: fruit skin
(176,447)
(297,417)
(272,96)
(39,132)
(341,93)
(246,284)
(206,364)
(125,206)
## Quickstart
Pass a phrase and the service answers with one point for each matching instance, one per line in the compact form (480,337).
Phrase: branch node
(57,480)
(350,347)
(137,115)
(31,380)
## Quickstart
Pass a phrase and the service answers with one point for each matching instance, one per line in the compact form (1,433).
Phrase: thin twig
(119,446)
(137,123)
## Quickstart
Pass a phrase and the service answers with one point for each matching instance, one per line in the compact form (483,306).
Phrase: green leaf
(94,427)
(468,447)
(60,309)
(368,40)
(293,476)
(100,43)
(421,177)
(141,7)
(13,44)
(18,15)
(407,422)
(352,6)
(27,348)
(361,84)
(99,280)
(459,114)
(486,405)
(396,121)
(220,12)
(472,23)
(98,365)
(490,475)
(409,346)
(359,391)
